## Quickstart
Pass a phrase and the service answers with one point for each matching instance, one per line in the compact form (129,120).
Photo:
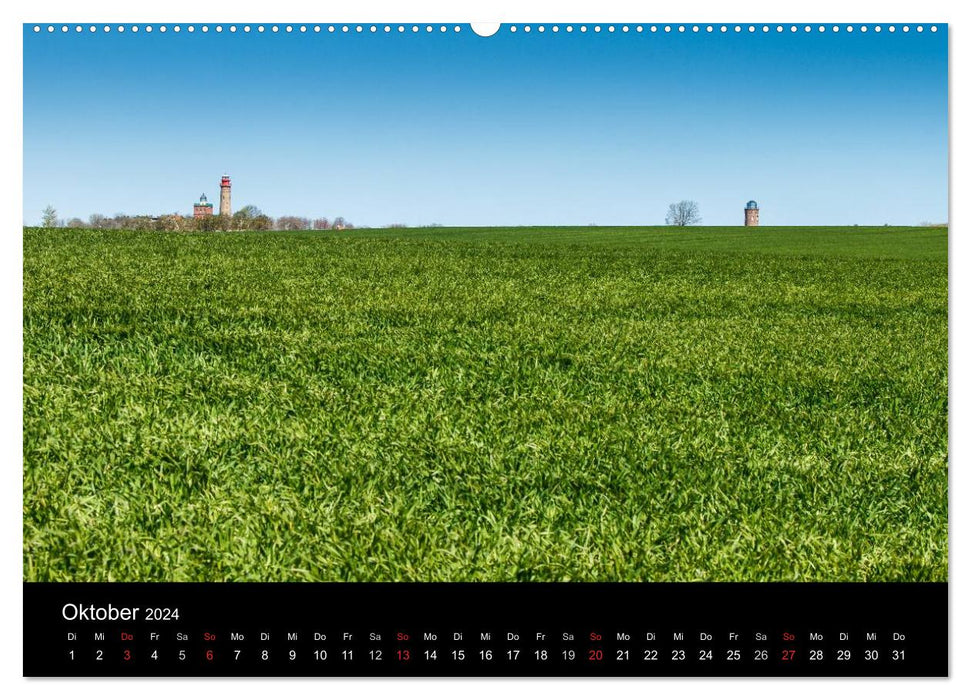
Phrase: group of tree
(300,223)
(248,218)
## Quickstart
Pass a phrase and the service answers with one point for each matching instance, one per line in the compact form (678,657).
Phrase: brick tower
(752,213)
(225,205)
(202,208)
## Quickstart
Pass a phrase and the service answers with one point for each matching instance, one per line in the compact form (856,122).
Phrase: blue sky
(457,129)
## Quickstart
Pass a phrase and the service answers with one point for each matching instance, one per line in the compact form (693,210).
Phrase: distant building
(202,208)
(752,213)
(225,205)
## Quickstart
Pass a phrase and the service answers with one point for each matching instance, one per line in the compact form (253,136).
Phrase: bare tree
(339,224)
(321,224)
(75,223)
(683,213)
(97,221)
(50,217)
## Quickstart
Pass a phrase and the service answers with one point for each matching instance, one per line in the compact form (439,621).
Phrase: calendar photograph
(529,304)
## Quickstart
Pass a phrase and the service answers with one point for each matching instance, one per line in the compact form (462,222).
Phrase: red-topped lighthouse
(225,205)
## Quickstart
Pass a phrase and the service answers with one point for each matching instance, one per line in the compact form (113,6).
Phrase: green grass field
(486,404)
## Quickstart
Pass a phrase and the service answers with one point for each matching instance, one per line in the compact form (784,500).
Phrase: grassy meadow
(595,404)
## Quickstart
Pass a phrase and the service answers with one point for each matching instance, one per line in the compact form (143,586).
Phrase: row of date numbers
(513,655)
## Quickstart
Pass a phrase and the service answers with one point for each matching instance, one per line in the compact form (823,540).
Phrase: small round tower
(752,213)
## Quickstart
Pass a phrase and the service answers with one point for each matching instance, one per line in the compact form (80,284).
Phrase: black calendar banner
(491,629)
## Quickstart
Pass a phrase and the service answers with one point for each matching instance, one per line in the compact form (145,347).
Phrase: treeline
(249,218)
